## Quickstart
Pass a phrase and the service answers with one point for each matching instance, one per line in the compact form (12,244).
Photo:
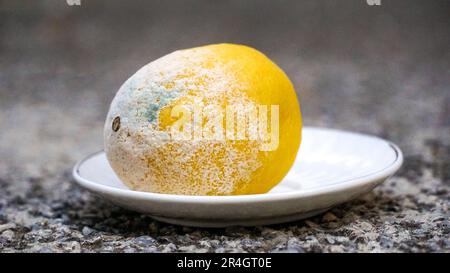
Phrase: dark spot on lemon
(116,124)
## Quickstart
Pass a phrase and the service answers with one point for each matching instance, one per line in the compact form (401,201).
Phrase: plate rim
(348,184)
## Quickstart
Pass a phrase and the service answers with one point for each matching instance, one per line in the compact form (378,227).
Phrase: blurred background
(383,70)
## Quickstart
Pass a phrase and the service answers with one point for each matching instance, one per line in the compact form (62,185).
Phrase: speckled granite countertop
(379,70)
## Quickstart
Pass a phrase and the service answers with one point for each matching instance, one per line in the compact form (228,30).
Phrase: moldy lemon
(220,119)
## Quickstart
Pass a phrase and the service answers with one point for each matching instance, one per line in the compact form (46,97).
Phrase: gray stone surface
(379,70)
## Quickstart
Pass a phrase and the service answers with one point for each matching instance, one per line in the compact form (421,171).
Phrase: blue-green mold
(159,99)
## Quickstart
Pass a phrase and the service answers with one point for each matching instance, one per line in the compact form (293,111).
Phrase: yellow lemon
(220,119)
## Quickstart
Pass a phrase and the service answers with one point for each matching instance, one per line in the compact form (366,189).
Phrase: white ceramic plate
(332,167)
